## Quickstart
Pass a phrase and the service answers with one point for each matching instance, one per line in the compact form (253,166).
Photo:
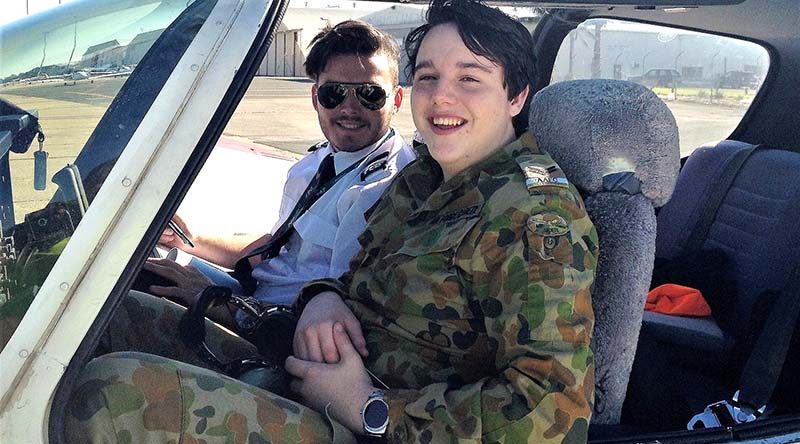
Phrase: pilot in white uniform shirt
(325,237)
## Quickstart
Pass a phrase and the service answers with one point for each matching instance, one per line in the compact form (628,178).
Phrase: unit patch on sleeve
(539,176)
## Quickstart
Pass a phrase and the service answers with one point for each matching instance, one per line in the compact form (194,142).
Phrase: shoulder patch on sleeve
(538,174)
(547,224)
(379,163)
(548,237)
(317,146)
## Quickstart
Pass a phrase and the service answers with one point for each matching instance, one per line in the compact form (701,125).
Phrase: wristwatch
(375,414)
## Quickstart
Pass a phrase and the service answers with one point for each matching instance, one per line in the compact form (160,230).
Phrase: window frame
(109,246)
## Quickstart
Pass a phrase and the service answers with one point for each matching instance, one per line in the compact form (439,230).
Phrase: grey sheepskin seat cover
(618,143)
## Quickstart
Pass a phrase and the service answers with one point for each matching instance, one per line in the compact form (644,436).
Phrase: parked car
(71,249)
(666,78)
(739,80)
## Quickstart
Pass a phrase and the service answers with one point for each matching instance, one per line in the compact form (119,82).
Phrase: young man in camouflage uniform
(471,292)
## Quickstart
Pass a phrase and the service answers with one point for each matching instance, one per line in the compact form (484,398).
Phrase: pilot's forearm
(224,251)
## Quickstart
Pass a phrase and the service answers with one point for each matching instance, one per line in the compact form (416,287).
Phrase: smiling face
(459,103)
(350,126)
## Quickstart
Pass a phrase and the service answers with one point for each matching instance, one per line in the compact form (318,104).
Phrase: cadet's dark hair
(487,32)
(351,37)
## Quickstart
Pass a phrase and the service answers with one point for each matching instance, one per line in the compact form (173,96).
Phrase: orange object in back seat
(673,299)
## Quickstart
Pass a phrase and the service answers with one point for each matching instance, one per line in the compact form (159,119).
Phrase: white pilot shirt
(326,235)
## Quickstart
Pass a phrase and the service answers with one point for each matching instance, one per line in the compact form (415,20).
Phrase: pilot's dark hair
(351,37)
(487,32)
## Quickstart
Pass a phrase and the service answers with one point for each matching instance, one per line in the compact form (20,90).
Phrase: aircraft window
(708,81)
(65,77)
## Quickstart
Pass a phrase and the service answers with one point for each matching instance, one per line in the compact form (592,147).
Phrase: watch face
(376,414)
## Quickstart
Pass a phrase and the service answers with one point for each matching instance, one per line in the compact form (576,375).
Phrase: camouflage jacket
(474,298)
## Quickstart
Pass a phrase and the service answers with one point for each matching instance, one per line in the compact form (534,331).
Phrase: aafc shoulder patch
(537,175)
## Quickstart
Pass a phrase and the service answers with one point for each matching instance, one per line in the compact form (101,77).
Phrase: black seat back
(756,225)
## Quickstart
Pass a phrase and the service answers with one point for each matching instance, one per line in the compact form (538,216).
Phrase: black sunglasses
(370,95)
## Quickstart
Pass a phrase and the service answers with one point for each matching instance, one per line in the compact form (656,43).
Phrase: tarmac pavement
(288,101)
(275,113)
(69,111)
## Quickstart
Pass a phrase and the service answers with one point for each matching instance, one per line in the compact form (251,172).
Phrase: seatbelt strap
(717,194)
(318,186)
(763,368)
(320,183)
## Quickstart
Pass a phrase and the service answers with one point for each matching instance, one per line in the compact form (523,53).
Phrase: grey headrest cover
(593,128)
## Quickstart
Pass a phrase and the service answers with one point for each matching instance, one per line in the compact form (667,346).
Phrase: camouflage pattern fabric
(131,398)
(149,324)
(474,298)
(477,313)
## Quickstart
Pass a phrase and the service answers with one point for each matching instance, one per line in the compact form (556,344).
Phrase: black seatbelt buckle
(726,414)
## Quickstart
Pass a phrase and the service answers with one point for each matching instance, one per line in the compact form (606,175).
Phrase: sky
(11,10)
(15,9)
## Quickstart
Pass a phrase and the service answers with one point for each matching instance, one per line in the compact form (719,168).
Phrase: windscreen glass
(75,82)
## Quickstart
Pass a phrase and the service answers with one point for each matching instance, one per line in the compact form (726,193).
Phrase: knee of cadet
(108,372)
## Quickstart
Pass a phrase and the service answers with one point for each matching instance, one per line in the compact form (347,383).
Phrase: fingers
(188,277)
(180,223)
(343,343)
(297,368)
(328,344)
(316,343)
(167,237)
(189,282)
(314,338)
(296,385)
(312,345)
(301,370)
(299,346)
(165,268)
(353,328)
(174,294)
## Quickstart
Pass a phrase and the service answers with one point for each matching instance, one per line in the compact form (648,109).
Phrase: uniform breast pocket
(316,230)
(427,270)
